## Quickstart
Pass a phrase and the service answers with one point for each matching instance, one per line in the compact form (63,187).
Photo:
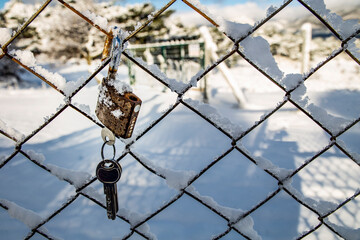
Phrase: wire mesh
(235,140)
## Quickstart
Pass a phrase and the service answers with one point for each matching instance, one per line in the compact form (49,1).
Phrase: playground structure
(179,59)
(182,59)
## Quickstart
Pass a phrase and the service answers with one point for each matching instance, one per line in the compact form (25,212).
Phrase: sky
(2,3)
(159,3)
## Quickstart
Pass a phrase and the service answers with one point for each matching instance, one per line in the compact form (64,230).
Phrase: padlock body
(118,112)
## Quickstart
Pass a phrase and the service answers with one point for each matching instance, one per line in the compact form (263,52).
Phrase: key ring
(102,150)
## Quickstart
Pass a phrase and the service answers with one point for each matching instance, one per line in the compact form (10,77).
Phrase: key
(109,172)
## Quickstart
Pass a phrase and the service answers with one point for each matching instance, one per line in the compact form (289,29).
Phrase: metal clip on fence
(113,49)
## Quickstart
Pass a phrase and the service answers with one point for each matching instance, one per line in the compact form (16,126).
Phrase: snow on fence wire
(255,51)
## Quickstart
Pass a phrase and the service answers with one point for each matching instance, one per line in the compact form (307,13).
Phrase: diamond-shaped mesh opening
(298,40)
(289,217)
(237,91)
(321,89)
(36,113)
(236,182)
(168,150)
(172,50)
(83,142)
(331,177)
(85,213)
(17,179)
(300,142)
(134,181)
(182,222)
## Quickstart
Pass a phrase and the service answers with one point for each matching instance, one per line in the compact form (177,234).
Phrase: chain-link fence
(239,224)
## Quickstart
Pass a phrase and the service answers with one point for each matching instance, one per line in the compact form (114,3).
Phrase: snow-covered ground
(179,147)
(184,147)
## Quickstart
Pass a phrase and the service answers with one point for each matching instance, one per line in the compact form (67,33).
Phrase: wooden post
(211,49)
(307,35)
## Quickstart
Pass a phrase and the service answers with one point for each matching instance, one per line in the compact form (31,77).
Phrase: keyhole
(133,98)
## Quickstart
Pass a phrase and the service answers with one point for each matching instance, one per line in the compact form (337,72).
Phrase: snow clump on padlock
(120,86)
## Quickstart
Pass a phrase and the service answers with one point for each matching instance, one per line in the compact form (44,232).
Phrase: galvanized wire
(233,147)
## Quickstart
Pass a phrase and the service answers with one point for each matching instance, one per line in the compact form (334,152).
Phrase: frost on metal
(120,86)
(245,225)
(11,131)
(212,114)
(30,218)
(344,27)
(173,84)
(76,178)
(28,59)
(266,164)
(257,49)
(97,20)
(332,123)
(174,179)
(323,207)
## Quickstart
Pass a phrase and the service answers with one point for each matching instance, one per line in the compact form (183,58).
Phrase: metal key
(109,172)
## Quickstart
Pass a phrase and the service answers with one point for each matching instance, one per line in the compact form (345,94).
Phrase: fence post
(307,35)
(204,61)
(210,48)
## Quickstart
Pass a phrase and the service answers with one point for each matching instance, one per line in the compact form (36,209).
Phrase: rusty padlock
(117,107)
